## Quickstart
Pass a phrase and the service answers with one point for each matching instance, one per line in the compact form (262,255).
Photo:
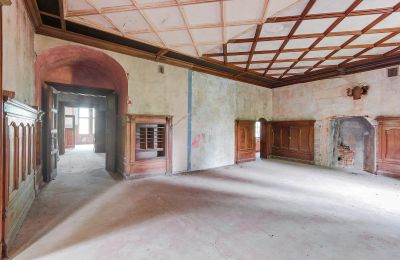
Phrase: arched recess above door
(81,66)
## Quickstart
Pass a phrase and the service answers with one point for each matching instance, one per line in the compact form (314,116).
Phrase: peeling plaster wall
(18,52)
(150,93)
(217,103)
(324,99)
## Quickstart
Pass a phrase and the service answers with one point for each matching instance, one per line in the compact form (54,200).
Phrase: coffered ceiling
(191,27)
(265,42)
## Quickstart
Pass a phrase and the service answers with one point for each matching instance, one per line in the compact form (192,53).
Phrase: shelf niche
(148,145)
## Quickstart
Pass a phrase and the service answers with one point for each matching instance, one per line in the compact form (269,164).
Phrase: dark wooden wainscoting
(292,140)
(20,168)
(389,145)
(148,145)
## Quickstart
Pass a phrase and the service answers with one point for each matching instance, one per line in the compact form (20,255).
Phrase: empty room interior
(200,129)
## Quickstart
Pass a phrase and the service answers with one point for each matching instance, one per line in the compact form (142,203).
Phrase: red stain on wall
(198,141)
(81,66)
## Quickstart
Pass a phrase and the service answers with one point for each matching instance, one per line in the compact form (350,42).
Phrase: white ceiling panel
(379,50)
(207,35)
(113,3)
(176,38)
(151,38)
(317,54)
(374,4)
(369,38)
(98,20)
(314,26)
(78,5)
(306,63)
(324,6)
(281,64)
(395,39)
(334,41)
(237,10)
(391,21)
(269,45)
(257,57)
(293,10)
(131,21)
(347,52)
(239,47)
(297,71)
(276,29)
(332,62)
(289,55)
(258,66)
(165,18)
(355,23)
(205,13)
(238,58)
(300,43)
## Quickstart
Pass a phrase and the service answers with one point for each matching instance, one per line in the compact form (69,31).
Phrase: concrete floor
(260,210)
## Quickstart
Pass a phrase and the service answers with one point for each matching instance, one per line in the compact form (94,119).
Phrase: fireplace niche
(354,144)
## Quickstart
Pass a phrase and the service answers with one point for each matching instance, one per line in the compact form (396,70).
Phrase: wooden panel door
(69,131)
(389,145)
(50,134)
(245,141)
(111,131)
(100,133)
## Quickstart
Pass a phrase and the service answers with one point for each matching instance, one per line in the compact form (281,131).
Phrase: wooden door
(100,133)
(50,136)
(389,145)
(245,141)
(69,131)
(111,131)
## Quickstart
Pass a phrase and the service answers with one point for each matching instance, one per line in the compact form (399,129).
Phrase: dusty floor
(261,210)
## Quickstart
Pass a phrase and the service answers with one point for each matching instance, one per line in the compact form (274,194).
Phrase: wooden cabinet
(292,140)
(148,145)
(389,145)
(245,141)
(20,168)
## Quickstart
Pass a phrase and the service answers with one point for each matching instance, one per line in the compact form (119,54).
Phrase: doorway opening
(258,138)
(78,118)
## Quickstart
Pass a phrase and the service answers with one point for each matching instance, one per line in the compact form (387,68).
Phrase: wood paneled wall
(19,165)
(293,140)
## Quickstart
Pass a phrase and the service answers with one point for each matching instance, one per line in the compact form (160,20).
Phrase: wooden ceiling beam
(292,31)
(316,35)
(330,15)
(327,31)
(365,29)
(326,48)
(127,8)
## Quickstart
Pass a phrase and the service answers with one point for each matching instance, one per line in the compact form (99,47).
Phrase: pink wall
(81,66)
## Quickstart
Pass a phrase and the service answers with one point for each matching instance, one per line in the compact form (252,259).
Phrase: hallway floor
(260,210)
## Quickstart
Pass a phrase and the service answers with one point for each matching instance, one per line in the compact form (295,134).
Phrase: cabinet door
(389,146)
(245,141)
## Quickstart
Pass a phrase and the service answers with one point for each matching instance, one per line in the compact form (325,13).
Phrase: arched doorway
(81,70)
